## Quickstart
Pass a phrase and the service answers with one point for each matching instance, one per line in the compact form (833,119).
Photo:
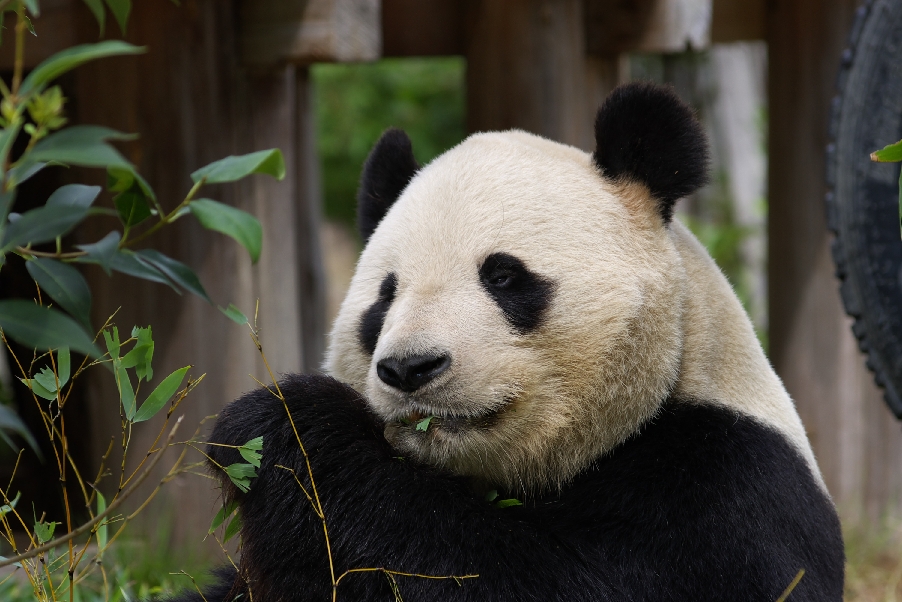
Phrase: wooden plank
(423,27)
(55,32)
(192,103)
(308,31)
(738,20)
(616,26)
(855,438)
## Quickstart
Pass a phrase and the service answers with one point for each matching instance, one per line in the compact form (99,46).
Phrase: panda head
(525,295)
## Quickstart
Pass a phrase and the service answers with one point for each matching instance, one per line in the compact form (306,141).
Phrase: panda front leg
(381,512)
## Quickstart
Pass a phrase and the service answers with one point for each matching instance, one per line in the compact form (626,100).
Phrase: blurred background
(321,79)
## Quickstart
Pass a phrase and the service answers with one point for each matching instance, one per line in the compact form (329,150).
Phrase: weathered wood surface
(527,68)
(307,31)
(192,103)
(857,442)
(611,27)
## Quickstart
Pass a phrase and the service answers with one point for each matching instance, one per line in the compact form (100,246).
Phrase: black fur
(645,133)
(388,169)
(701,504)
(372,319)
(522,295)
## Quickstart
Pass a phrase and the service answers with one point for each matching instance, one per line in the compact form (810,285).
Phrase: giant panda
(529,320)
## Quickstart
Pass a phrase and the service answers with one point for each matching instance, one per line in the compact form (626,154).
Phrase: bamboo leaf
(234,314)
(65,285)
(232,529)
(39,389)
(161,395)
(43,327)
(234,168)
(10,421)
(141,355)
(224,512)
(238,224)
(126,392)
(102,527)
(891,153)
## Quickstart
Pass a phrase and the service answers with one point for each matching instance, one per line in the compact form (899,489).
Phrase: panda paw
(327,417)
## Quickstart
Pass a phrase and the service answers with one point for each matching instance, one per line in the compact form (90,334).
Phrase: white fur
(639,312)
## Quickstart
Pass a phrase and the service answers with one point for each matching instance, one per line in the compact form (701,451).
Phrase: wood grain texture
(307,31)
(423,27)
(192,103)
(738,20)
(855,438)
(527,68)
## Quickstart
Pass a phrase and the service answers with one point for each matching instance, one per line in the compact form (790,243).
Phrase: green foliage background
(355,103)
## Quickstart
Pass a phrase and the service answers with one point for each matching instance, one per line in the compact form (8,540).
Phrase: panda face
(510,294)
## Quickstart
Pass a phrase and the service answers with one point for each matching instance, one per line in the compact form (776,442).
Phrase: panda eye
(501,279)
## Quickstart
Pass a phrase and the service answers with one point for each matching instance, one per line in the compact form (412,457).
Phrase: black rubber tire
(863,197)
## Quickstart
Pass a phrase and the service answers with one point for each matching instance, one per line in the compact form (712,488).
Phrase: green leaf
(43,327)
(23,172)
(38,389)
(44,531)
(891,153)
(238,224)
(77,195)
(491,496)
(176,271)
(33,8)
(234,314)
(47,379)
(132,207)
(82,145)
(141,355)
(241,475)
(234,168)
(41,225)
(29,24)
(161,395)
(224,512)
(120,10)
(63,364)
(102,527)
(232,529)
(69,59)
(122,179)
(127,262)
(508,503)
(126,392)
(96,7)
(255,443)
(7,508)
(65,285)
(423,425)
(102,252)
(900,203)
(111,338)
(252,457)
(8,136)
(11,422)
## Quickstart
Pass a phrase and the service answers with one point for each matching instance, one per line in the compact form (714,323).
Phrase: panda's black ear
(645,133)
(386,173)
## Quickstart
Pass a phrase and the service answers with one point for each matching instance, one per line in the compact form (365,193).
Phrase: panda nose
(411,373)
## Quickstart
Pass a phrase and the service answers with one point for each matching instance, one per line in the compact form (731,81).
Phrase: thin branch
(88,526)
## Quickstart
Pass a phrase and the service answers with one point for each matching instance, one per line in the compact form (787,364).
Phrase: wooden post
(855,438)
(527,68)
(192,103)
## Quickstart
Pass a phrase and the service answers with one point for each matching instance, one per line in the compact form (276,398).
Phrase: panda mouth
(420,420)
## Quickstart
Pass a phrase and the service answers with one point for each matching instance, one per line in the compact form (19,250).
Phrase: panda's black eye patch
(373,318)
(522,295)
